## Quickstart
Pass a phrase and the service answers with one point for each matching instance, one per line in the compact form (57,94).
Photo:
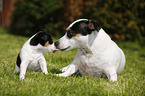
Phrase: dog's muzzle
(65,48)
(57,46)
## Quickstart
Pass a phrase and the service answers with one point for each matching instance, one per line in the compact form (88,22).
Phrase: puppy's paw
(46,73)
(22,77)
(56,74)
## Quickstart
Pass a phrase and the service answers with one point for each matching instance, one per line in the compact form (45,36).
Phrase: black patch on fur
(42,38)
(56,43)
(82,28)
(97,26)
(18,60)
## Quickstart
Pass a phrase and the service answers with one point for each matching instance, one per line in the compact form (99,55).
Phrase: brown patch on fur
(78,35)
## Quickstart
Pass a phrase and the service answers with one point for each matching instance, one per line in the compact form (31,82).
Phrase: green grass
(130,83)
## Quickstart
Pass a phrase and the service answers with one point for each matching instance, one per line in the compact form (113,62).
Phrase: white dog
(97,54)
(31,56)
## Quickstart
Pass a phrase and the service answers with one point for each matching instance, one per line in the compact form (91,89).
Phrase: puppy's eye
(51,41)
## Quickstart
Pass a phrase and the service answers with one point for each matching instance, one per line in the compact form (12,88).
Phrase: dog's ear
(93,25)
(34,41)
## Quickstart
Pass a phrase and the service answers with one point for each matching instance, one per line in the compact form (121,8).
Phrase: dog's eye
(70,34)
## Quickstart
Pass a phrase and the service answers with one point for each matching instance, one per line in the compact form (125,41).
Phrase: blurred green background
(123,20)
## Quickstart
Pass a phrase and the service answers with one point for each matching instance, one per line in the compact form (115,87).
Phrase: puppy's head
(41,38)
(77,34)
(44,40)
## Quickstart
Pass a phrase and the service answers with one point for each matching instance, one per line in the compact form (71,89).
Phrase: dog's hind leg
(112,76)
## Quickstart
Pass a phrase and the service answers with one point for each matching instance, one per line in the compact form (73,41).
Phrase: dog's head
(44,40)
(77,34)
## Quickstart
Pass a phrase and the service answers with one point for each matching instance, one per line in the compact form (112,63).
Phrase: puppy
(31,56)
(97,54)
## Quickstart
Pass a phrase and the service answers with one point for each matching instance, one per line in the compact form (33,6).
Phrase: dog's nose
(56,43)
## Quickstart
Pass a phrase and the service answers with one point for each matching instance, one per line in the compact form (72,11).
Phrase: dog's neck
(97,43)
(92,37)
(100,41)
(86,50)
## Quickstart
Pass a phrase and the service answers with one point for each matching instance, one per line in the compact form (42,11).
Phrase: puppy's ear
(93,25)
(34,41)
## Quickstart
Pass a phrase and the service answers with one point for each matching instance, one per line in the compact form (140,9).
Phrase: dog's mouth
(65,48)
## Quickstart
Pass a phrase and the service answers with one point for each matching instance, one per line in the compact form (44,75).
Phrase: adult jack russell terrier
(31,56)
(97,54)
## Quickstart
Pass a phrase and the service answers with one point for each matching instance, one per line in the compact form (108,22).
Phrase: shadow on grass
(75,75)
(55,71)
(17,73)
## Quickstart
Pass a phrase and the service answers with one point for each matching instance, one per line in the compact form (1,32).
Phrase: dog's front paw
(61,75)
(63,69)
(22,77)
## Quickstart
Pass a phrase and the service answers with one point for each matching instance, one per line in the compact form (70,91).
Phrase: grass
(130,83)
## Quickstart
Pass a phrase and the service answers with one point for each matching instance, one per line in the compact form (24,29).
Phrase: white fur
(32,58)
(97,55)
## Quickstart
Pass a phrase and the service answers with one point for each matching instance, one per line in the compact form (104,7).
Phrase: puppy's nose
(56,43)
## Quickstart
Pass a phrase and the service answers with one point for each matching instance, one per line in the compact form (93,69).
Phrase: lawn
(130,83)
